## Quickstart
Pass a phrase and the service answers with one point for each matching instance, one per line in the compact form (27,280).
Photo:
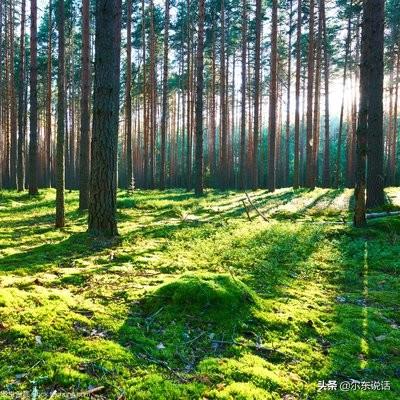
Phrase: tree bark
(33,137)
(340,132)
(326,168)
(48,162)
(164,98)
(273,94)
(198,166)
(257,91)
(242,168)
(103,179)
(296,166)
(223,105)
(84,159)
(60,151)
(375,175)
(21,92)
(362,128)
(393,153)
(288,98)
(310,175)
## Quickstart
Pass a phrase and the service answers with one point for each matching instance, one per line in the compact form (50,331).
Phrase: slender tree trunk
(296,166)
(326,168)
(103,178)
(128,98)
(21,92)
(165,97)
(310,174)
(213,105)
(288,99)
(33,142)
(395,123)
(362,128)
(316,123)
(153,99)
(375,176)
(60,152)
(242,170)
(13,103)
(223,106)
(257,91)
(273,99)
(84,160)
(340,132)
(198,165)
(49,169)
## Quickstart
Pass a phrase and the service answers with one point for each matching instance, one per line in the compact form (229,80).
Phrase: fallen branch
(382,214)
(247,211)
(165,365)
(258,211)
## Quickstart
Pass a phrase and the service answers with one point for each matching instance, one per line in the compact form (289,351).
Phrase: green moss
(194,301)
(215,298)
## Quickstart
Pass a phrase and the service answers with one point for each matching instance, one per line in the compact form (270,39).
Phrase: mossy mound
(211,298)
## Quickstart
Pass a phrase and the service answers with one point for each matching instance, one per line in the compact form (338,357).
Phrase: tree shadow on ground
(39,258)
(363,345)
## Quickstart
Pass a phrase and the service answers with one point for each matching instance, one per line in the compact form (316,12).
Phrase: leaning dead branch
(253,205)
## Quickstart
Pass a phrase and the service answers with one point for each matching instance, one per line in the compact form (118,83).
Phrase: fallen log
(382,214)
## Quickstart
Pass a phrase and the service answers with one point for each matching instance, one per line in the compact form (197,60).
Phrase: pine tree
(84,156)
(33,129)
(103,179)
(198,166)
(60,152)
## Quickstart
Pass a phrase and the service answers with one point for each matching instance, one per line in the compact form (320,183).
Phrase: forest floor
(194,301)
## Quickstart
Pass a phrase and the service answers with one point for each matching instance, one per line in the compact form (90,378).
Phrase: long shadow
(329,195)
(40,258)
(362,345)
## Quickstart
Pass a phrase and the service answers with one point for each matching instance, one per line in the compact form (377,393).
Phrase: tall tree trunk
(316,123)
(49,169)
(393,154)
(326,169)
(273,98)
(145,108)
(289,81)
(310,173)
(257,91)
(103,178)
(60,152)
(375,176)
(13,104)
(296,166)
(33,139)
(362,128)
(213,127)
(340,132)
(128,98)
(198,165)
(242,170)
(164,97)
(223,105)
(84,159)
(21,92)
(153,92)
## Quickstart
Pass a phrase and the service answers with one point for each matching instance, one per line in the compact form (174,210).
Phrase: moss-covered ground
(194,301)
